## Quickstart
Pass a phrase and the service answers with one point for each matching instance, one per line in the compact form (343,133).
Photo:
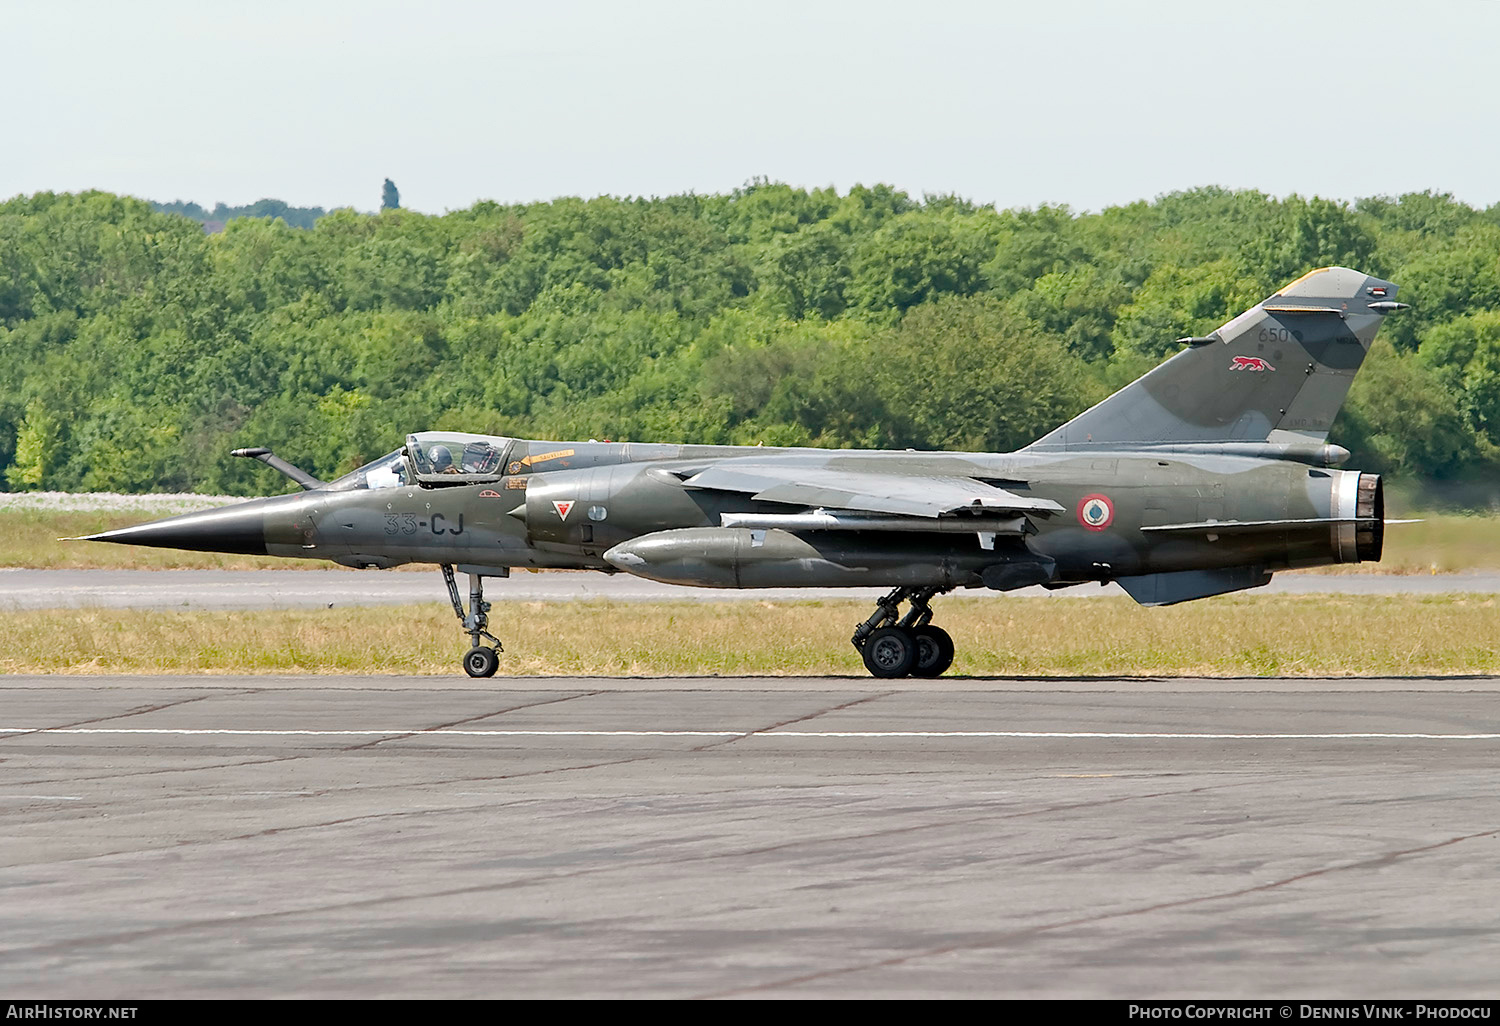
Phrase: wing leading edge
(865,492)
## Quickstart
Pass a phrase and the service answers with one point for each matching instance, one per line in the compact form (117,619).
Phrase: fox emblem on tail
(1249,363)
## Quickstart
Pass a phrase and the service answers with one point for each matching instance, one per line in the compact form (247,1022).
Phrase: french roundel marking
(1096,512)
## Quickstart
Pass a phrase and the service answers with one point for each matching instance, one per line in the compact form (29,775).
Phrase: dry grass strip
(1247,635)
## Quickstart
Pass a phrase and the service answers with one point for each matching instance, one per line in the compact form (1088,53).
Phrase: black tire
(481,662)
(890,652)
(934,652)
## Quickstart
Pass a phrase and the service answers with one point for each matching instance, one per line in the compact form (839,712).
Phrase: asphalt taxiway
(441,837)
(291,589)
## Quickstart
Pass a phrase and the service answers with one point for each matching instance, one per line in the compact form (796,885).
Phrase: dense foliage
(135,350)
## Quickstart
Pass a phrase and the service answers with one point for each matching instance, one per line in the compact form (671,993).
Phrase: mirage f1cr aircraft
(1203,477)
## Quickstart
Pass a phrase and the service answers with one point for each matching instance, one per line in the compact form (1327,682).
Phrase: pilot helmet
(441,458)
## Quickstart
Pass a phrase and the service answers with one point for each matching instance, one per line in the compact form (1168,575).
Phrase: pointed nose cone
(239,528)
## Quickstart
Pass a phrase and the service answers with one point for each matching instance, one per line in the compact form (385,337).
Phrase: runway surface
(440,837)
(290,589)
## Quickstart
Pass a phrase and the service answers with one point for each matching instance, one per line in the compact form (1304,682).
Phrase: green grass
(1440,543)
(1230,636)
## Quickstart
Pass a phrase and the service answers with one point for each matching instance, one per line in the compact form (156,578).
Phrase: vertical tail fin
(1275,376)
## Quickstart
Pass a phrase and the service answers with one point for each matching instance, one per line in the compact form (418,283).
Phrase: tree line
(135,350)
(222,213)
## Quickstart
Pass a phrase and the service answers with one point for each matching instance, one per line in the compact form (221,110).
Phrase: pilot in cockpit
(441,458)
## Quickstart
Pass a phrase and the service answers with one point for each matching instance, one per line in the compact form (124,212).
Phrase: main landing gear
(479,661)
(897,646)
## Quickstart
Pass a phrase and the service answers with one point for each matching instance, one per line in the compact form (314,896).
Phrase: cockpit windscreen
(390,471)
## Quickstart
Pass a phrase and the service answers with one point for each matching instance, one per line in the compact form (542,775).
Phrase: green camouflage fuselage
(570,510)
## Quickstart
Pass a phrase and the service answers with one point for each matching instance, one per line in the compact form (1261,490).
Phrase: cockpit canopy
(433,458)
(452,457)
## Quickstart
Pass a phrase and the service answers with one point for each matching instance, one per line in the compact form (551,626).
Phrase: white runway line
(409,732)
(45,797)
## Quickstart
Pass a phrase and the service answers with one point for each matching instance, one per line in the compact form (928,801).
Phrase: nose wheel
(480,660)
(896,646)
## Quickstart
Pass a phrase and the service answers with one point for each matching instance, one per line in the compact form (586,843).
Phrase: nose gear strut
(479,661)
(893,645)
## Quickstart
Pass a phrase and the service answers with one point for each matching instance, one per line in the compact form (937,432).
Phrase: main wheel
(934,652)
(481,662)
(890,652)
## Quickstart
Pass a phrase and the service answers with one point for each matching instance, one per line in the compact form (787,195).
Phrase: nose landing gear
(479,661)
(896,646)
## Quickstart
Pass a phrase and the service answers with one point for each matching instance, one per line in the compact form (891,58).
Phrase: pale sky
(1016,104)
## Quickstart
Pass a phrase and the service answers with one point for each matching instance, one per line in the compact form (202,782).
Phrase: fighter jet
(1203,477)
